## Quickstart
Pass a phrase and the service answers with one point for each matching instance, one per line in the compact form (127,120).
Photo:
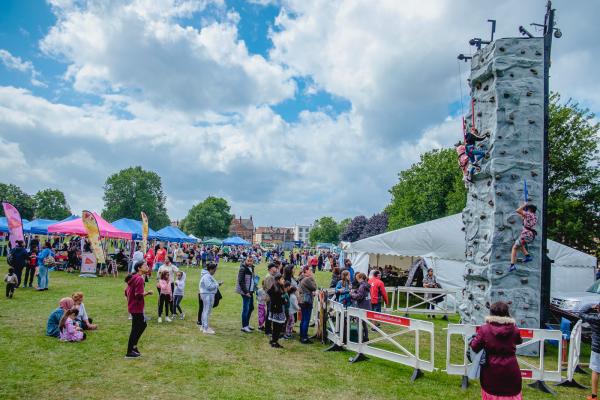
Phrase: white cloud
(16,63)
(140,51)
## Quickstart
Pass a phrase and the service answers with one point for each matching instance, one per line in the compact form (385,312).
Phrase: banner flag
(15,224)
(91,226)
(144,232)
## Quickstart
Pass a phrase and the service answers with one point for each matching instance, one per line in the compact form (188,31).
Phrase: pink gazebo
(75,227)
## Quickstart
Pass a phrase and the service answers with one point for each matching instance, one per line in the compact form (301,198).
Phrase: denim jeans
(42,277)
(306,309)
(247,308)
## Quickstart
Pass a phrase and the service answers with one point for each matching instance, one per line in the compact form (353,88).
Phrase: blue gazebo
(235,241)
(173,234)
(134,227)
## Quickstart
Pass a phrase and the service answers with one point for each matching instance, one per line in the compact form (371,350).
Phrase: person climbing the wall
(527,235)
(463,162)
(473,153)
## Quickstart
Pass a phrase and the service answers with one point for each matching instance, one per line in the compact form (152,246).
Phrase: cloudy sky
(290,109)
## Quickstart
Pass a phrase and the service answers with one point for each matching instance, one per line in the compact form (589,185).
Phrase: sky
(289,109)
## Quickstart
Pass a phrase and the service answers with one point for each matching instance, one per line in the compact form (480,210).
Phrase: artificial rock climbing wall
(507,85)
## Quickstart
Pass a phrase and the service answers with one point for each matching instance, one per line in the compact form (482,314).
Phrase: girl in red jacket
(500,376)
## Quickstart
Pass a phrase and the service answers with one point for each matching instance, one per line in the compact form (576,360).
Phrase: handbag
(218,297)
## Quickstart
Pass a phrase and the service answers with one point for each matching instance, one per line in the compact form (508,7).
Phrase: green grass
(180,361)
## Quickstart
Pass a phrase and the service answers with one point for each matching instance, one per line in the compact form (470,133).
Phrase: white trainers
(159,320)
(168,319)
(182,316)
(209,331)
(201,328)
(246,329)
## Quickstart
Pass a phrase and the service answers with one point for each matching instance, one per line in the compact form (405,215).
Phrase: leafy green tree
(344,224)
(210,218)
(429,189)
(133,190)
(325,230)
(574,176)
(51,204)
(18,198)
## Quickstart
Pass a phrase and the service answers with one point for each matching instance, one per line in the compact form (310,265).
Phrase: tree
(325,230)
(343,224)
(210,218)
(133,190)
(51,204)
(574,176)
(354,229)
(429,189)
(18,198)
(375,225)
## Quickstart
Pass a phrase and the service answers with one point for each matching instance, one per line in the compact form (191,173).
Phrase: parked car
(572,304)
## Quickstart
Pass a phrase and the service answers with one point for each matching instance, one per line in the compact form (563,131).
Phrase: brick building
(242,227)
(273,235)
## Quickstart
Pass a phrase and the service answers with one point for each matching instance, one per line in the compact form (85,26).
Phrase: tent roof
(134,227)
(443,238)
(213,241)
(173,234)
(75,227)
(235,241)
(38,226)
(4,224)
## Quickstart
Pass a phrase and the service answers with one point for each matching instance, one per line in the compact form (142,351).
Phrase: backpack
(48,261)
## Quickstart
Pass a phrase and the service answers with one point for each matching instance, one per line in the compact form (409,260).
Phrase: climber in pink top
(527,235)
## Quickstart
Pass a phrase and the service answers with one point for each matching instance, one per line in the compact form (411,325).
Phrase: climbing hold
(502,152)
(498,193)
(486,88)
(471,297)
(491,203)
(501,49)
(533,71)
(498,176)
(485,236)
(506,95)
(512,75)
(514,176)
(479,114)
(492,99)
(522,51)
(474,195)
(538,53)
(524,281)
(482,287)
(499,136)
(482,216)
(525,151)
(531,121)
(529,93)
(511,115)
(498,256)
(501,228)
(489,183)
(463,229)
(501,292)
(477,306)
(478,86)
(534,174)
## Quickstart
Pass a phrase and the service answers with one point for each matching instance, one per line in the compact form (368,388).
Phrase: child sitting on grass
(11,282)
(164,288)
(527,235)
(69,330)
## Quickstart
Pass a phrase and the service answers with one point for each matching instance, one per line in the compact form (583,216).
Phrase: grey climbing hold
(529,93)
(491,203)
(534,174)
(531,121)
(533,71)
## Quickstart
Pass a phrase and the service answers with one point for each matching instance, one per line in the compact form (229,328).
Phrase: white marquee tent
(442,243)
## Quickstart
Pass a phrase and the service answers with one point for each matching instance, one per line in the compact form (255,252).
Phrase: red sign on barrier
(526,333)
(390,319)
(526,373)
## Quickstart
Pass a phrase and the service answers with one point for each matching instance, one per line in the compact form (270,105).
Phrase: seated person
(52,327)
(121,260)
(82,318)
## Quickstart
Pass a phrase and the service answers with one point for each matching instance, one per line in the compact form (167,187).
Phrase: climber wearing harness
(463,162)
(527,235)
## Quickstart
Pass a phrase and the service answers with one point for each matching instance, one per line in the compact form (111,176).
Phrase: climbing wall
(507,85)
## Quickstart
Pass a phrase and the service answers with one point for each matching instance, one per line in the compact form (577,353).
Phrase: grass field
(180,362)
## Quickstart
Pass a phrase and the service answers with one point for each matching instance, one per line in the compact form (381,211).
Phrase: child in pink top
(69,330)
(164,300)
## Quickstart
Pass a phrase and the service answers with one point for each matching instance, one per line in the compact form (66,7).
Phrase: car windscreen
(595,288)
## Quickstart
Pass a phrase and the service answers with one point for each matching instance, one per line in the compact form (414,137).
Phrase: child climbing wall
(506,118)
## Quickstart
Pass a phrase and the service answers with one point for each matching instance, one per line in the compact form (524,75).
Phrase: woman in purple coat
(499,336)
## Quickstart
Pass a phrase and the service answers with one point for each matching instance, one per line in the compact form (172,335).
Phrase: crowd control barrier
(538,372)
(336,325)
(367,319)
(573,358)
(392,303)
(427,301)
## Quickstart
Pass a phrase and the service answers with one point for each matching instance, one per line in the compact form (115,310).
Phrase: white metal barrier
(428,301)
(336,325)
(573,358)
(391,293)
(531,337)
(402,355)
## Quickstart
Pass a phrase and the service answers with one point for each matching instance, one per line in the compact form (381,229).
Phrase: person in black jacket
(592,317)
(277,309)
(19,259)
(245,287)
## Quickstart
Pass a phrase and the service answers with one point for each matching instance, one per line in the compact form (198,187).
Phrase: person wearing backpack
(45,261)
(17,258)
(378,292)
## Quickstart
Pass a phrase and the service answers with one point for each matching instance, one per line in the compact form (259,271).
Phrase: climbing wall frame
(507,85)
